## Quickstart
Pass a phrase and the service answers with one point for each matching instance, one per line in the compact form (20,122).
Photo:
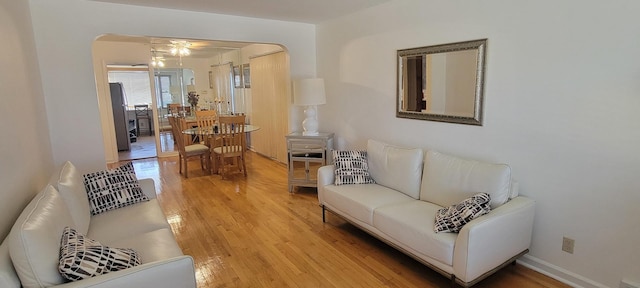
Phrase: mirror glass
(442,82)
(173,85)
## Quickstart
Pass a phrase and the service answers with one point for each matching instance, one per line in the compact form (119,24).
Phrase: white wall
(26,160)
(562,99)
(64,32)
(112,53)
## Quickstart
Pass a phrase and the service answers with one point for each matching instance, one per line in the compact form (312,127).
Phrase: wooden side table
(306,155)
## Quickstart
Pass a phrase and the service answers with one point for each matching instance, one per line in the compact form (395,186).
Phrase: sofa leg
(453,281)
(323,218)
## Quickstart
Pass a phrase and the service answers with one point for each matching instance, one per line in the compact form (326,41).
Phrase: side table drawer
(306,145)
(306,155)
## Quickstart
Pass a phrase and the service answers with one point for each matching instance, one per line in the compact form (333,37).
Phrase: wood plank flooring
(250,232)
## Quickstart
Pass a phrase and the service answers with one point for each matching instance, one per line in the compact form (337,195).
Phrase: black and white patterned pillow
(351,167)
(112,189)
(81,257)
(452,219)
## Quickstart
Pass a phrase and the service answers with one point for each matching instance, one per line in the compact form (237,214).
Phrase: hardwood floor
(250,232)
(145,147)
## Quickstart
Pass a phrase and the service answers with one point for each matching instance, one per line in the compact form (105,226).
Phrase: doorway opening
(131,102)
(210,71)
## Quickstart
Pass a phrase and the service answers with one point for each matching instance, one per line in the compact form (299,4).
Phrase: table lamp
(309,93)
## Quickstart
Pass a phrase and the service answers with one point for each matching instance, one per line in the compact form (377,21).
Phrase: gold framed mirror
(442,82)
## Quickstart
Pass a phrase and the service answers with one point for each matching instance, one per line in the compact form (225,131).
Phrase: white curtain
(270,101)
(222,88)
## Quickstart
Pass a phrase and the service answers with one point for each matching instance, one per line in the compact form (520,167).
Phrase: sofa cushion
(34,240)
(359,201)
(71,187)
(151,246)
(396,167)
(411,223)
(113,188)
(127,221)
(452,218)
(447,180)
(82,257)
(351,167)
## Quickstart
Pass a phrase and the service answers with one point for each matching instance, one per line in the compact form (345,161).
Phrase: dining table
(213,131)
(209,132)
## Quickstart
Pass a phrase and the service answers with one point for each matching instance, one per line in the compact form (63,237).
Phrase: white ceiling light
(156,61)
(180,48)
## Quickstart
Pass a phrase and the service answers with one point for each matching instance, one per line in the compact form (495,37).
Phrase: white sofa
(29,255)
(411,185)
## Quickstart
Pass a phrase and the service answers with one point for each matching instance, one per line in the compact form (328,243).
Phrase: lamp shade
(309,92)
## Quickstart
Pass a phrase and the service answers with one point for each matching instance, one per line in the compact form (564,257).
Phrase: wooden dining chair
(229,152)
(205,120)
(185,152)
(172,108)
(142,112)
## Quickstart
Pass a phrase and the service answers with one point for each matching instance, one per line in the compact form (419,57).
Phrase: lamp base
(309,133)
(310,124)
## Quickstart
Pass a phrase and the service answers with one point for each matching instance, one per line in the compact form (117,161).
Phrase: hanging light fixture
(155,60)
(180,48)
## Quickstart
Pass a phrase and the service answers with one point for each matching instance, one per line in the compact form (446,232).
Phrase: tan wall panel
(270,104)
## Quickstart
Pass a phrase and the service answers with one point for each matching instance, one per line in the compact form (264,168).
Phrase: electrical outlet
(567,245)
(629,284)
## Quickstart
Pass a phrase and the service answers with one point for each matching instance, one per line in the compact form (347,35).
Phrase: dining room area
(228,79)
(219,142)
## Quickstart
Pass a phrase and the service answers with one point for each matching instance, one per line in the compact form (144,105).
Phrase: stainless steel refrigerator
(120,119)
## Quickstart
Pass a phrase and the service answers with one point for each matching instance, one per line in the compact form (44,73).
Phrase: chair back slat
(205,120)
(231,129)
(230,141)
(179,124)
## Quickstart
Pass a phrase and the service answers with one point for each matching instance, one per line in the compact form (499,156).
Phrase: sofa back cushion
(395,167)
(448,180)
(70,185)
(34,240)
(8,276)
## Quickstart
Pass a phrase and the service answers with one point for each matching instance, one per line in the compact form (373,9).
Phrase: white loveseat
(411,186)
(29,255)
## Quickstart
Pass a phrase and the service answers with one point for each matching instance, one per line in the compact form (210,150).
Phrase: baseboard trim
(558,273)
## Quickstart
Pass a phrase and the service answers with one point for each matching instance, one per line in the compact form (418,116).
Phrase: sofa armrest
(8,276)
(491,240)
(172,272)
(148,187)
(326,176)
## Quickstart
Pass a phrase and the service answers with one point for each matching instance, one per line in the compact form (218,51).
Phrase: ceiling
(306,11)
(199,48)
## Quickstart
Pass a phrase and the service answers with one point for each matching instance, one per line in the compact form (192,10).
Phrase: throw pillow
(351,167)
(81,257)
(112,189)
(452,219)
